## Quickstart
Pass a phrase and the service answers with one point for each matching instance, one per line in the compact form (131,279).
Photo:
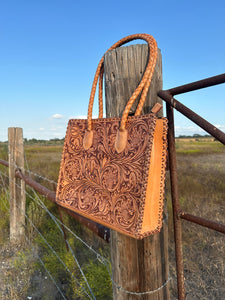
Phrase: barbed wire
(3,201)
(103,261)
(72,252)
(60,229)
(35,253)
(43,265)
(53,251)
(99,257)
(42,177)
(27,169)
(33,250)
(56,220)
(142,293)
(67,242)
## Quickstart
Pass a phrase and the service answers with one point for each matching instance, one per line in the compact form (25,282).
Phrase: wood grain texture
(16,185)
(121,79)
(138,265)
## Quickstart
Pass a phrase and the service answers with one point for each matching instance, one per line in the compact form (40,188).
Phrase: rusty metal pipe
(203,222)
(4,163)
(175,204)
(50,195)
(98,229)
(211,129)
(211,81)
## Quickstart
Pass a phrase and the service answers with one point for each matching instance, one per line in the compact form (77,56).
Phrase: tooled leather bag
(113,169)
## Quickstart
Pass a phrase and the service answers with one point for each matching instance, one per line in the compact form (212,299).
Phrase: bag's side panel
(100,183)
(152,218)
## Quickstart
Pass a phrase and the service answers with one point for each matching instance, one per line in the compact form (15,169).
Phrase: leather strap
(142,87)
(144,84)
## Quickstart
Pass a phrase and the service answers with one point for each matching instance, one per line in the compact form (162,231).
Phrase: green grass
(43,149)
(201,183)
(192,147)
(44,161)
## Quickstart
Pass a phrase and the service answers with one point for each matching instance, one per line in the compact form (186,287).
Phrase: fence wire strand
(99,257)
(33,251)
(43,265)
(54,252)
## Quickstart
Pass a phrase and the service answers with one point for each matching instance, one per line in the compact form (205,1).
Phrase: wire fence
(87,265)
(86,289)
(37,236)
(201,279)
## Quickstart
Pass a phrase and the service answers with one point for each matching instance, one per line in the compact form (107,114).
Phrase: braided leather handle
(142,87)
(146,78)
(144,92)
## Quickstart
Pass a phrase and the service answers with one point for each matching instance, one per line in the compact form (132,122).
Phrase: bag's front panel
(101,184)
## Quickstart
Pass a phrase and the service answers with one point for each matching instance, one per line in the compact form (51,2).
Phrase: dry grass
(201,176)
(201,179)
(17,265)
(44,161)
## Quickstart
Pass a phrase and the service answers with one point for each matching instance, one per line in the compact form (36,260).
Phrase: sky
(49,51)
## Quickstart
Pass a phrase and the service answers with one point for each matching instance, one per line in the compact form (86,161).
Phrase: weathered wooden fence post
(138,265)
(16,185)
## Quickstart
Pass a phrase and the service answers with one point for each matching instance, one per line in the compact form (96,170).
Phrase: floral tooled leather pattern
(100,183)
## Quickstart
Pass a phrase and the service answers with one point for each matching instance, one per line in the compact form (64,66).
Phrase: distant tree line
(34,141)
(198,136)
(57,141)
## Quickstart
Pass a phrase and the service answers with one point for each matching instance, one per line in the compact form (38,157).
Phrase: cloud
(57,116)
(219,126)
(188,130)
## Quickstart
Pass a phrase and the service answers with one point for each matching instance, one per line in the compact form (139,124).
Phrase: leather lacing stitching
(145,178)
(161,197)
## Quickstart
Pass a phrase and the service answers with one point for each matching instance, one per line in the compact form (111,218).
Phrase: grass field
(201,179)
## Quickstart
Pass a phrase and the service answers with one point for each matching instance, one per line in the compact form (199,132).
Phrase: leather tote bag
(113,169)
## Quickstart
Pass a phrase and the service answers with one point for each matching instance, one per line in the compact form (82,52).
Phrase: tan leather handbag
(113,169)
